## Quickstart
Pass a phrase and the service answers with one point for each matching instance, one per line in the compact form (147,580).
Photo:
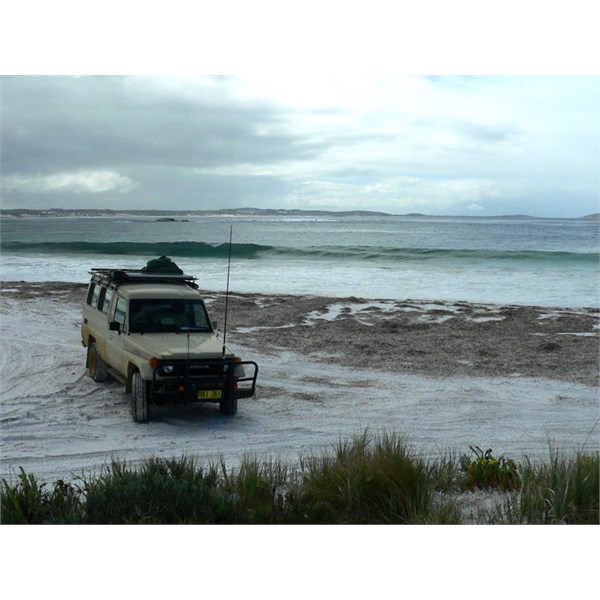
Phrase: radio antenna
(227,289)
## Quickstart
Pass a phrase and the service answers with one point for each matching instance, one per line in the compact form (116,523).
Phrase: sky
(297,138)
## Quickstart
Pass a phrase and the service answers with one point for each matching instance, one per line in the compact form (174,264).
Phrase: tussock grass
(29,501)
(159,491)
(563,491)
(367,480)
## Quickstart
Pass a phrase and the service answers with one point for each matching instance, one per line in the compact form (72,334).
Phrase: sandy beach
(444,375)
(423,337)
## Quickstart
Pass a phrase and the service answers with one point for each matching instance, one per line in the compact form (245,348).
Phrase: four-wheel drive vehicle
(151,331)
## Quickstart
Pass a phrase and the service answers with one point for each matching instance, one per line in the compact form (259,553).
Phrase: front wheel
(228,405)
(140,398)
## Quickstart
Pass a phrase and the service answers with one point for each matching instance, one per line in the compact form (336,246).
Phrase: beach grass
(565,490)
(365,480)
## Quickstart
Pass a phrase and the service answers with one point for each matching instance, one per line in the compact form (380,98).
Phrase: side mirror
(114,326)
(215,325)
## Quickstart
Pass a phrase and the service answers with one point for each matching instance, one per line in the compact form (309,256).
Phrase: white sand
(57,423)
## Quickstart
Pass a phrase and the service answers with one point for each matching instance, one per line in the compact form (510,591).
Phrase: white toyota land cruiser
(151,331)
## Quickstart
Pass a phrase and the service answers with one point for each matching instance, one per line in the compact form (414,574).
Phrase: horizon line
(250,210)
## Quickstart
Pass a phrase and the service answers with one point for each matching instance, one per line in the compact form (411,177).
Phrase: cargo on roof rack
(119,276)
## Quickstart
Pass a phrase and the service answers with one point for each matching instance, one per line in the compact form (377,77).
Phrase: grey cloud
(220,142)
(185,189)
(57,123)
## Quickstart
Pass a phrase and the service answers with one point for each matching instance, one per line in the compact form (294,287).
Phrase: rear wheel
(140,396)
(97,368)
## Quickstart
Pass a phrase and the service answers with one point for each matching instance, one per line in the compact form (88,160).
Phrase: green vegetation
(486,472)
(564,491)
(364,481)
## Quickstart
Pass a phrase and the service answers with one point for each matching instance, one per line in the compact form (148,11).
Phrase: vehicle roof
(157,291)
(116,276)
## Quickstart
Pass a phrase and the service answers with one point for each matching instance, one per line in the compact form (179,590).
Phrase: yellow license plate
(209,395)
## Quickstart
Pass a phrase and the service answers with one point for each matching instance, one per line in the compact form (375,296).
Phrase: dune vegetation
(367,480)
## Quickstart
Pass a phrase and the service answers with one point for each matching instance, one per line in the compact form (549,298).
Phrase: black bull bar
(189,384)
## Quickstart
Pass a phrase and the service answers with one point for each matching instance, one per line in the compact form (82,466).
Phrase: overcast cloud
(440,145)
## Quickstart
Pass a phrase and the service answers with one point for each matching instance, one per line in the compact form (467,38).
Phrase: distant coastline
(108,212)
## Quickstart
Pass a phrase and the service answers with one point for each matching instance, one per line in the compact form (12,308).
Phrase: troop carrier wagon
(152,332)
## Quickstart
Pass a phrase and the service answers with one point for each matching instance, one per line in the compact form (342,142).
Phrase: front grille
(205,369)
(196,368)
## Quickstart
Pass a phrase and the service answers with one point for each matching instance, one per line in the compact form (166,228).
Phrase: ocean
(508,260)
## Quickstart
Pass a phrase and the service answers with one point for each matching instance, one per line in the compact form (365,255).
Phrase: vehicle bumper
(190,388)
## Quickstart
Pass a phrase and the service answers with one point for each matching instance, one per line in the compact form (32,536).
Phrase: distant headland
(171,215)
(162,214)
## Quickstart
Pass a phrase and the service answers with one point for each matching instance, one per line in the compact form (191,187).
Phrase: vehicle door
(116,339)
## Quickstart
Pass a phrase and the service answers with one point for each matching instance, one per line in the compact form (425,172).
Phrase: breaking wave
(181,249)
(256,251)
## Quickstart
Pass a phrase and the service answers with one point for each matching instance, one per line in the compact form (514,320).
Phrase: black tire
(97,368)
(228,405)
(140,393)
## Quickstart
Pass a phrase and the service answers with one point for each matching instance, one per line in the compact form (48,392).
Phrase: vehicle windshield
(168,316)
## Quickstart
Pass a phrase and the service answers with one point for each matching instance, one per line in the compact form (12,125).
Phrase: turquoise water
(552,262)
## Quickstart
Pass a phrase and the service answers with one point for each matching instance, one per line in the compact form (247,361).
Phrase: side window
(95,296)
(101,299)
(120,310)
(90,294)
(108,294)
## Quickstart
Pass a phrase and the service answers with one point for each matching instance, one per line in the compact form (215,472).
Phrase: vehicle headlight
(168,369)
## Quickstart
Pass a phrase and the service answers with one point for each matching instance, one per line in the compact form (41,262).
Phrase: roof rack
(120,276)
